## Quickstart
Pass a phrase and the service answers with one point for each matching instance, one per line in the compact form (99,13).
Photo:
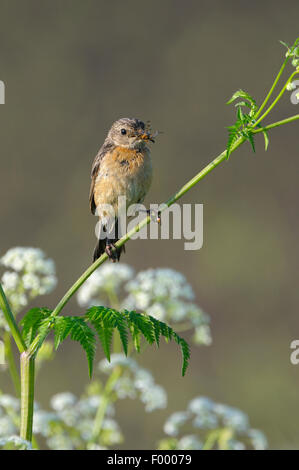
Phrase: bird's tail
(101,245)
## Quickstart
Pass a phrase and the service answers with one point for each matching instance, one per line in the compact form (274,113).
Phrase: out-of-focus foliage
(28,274)
(89,422)
(209,425)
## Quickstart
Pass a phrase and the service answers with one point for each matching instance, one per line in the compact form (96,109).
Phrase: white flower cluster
(30,274)
(166,295)
(135,382)
(15,443)
(102,283)
(204,415)
(70,424)
(163,293)
(67,426)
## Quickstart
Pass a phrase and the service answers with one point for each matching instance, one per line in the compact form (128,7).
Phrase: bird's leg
(112,251)
(154,215)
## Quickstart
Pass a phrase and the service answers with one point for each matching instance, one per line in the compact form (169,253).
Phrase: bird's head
(130,133)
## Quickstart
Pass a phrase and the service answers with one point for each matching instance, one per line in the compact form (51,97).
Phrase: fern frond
(143,323)
(78,330)
(31,322)
(185,351)
(62,328)
(245,96)
(82,333)
(100,318)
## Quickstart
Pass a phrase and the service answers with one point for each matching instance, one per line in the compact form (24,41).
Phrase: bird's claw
(112,252)
(154,215)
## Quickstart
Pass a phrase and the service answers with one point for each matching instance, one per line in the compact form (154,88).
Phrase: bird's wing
(106,147)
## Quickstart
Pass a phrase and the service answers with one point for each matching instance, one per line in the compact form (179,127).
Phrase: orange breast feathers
(123,172)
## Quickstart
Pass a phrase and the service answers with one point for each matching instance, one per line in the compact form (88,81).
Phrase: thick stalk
(10,319)
(27,395)
(9,357)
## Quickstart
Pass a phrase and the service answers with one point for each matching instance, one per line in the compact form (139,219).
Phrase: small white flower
(154,398)
(60,442)
(110,427)
(291,86)
(31,281)
(235,445)
(232,417)
(42,420)
(63,400)
(10,280)
(175,422)
(189,442)
(115,360)
(7,427)
(202,335)
(258,439)
(17,442)
(201,405)
(7,401)
(157,311)
(124,388)
(106,279)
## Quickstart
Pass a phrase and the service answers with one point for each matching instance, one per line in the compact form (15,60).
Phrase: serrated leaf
(105,318)
(251,140)
(31,322)
(62,328)
(185,352)
(101,321)
(82,333)
(284,44)
(143,323)
(243,94)
(78,330)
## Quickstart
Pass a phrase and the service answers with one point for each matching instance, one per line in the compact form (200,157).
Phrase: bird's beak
(147,137)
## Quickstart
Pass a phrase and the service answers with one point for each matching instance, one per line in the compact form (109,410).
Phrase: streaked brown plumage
(122,167)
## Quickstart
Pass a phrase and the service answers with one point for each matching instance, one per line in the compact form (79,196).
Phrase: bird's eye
(123,131)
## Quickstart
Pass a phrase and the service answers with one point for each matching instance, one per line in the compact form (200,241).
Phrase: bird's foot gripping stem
(154,215)
(112,252)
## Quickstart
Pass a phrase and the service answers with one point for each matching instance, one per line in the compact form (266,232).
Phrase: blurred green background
(71,68)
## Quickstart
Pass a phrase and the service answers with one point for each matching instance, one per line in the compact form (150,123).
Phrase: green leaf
(62,328)
(82,333)
(31,323)
(143,323)
(79,331)
(185,352)
(104,320)
(251,140)
(100,319)
(244,95)
(284,44)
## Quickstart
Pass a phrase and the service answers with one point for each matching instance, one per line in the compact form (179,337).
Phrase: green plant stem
(104,404)
(276,99)
(27,395)
(36,342)
(272,88)
(147,219)
(277,124)
(10,319)
(9,357)
(276,79)
(142,224)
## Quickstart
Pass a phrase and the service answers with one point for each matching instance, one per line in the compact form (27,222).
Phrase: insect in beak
(147,136)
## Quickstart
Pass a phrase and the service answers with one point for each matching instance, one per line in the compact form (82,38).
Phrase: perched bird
(122,167)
